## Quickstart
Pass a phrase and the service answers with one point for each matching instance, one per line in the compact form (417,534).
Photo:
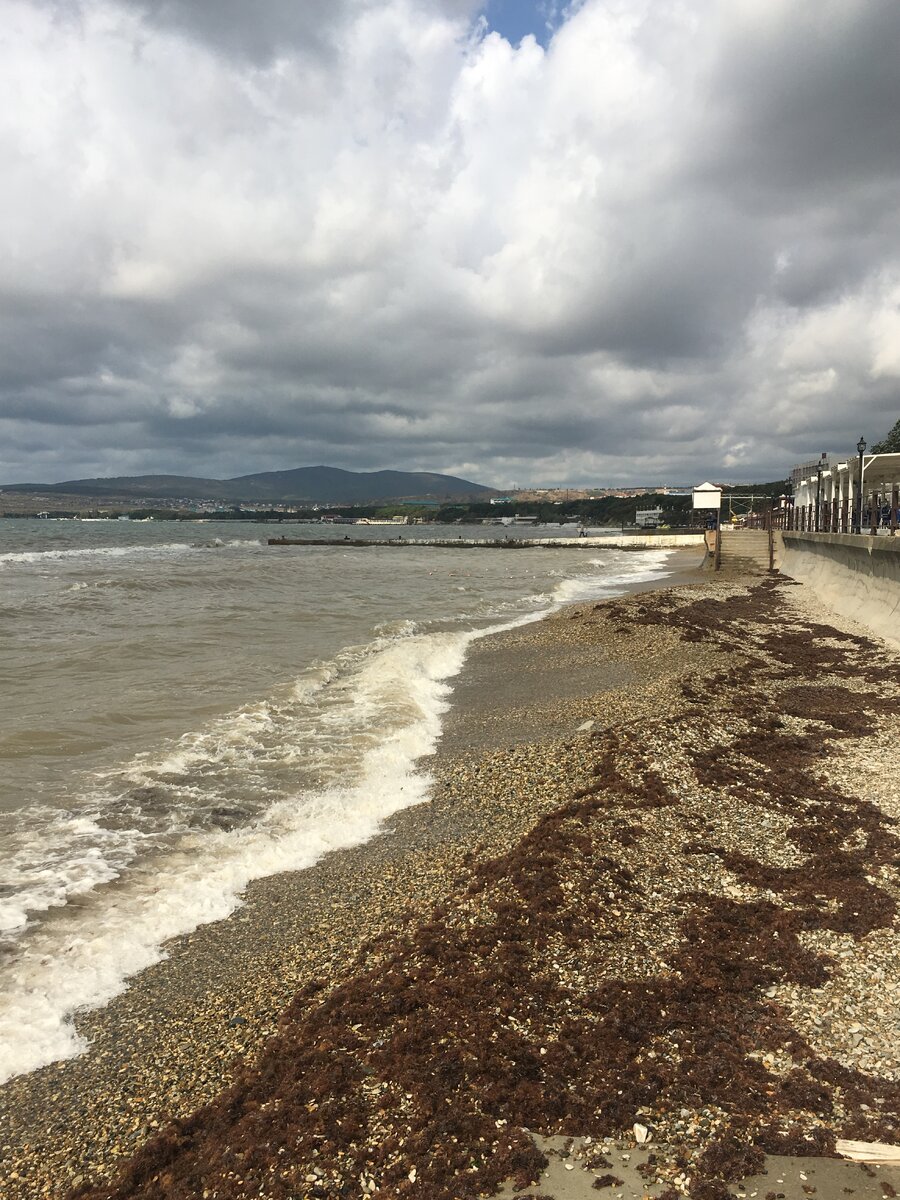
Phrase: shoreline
(516,747)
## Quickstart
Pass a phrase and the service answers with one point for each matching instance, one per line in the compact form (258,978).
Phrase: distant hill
(313,485)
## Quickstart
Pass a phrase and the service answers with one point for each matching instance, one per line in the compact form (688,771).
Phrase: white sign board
(707,495)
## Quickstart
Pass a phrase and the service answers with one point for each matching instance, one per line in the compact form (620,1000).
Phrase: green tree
(891,444)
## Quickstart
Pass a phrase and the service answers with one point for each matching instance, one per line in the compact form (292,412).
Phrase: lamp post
(860,449)
(818,493)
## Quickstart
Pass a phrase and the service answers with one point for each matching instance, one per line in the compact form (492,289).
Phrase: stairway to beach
(745,549)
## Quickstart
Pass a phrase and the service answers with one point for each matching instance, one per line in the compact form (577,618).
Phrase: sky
(534,243)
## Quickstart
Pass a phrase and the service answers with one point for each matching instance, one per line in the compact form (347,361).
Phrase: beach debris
(870,1152)
(641,1133)
(585,726)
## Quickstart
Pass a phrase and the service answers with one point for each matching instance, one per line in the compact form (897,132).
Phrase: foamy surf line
(37,557)
(79,968)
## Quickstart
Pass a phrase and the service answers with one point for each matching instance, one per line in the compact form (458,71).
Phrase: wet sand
(617,758)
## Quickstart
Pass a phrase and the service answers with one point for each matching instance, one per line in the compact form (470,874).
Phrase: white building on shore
(648,518)
(856,495)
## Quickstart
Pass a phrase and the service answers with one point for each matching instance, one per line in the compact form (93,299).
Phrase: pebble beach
(641,941)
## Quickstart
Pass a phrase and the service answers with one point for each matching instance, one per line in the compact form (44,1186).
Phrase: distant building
(807,469)
(648,518)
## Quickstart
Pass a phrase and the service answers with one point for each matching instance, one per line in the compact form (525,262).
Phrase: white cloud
(232,239)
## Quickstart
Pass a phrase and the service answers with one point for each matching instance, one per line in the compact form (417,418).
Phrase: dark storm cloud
(676,288)
(243,237)
(265,29)
(256,31)
(807,101)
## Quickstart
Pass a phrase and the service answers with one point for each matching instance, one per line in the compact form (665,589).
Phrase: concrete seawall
(656,541)
(852,574)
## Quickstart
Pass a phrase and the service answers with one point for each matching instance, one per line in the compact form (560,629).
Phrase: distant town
(649,506)
(15,503)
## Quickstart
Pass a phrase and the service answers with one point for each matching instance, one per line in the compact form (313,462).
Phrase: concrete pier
(660,541)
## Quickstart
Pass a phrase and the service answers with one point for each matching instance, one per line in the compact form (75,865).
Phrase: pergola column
(835,501)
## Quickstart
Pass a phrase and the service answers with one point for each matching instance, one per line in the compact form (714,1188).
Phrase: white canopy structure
(828,501)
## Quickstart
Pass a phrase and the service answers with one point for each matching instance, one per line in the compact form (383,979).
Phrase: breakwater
(666,541)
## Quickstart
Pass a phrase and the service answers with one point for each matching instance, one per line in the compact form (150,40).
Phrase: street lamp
(789,503)
(860,449)
(818,492)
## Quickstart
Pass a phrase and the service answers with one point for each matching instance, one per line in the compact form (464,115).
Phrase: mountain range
(312,485)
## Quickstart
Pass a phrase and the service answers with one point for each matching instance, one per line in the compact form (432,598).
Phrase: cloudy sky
(523,241)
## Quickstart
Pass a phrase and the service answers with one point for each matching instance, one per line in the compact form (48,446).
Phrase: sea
(185,708)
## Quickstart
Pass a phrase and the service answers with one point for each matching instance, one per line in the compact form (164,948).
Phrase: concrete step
(746,555)
(748,568)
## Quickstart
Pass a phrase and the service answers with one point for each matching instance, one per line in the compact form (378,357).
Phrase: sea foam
(149,549)
(77,963)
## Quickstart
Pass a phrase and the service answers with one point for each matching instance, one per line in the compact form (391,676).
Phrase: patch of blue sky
(515,19)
